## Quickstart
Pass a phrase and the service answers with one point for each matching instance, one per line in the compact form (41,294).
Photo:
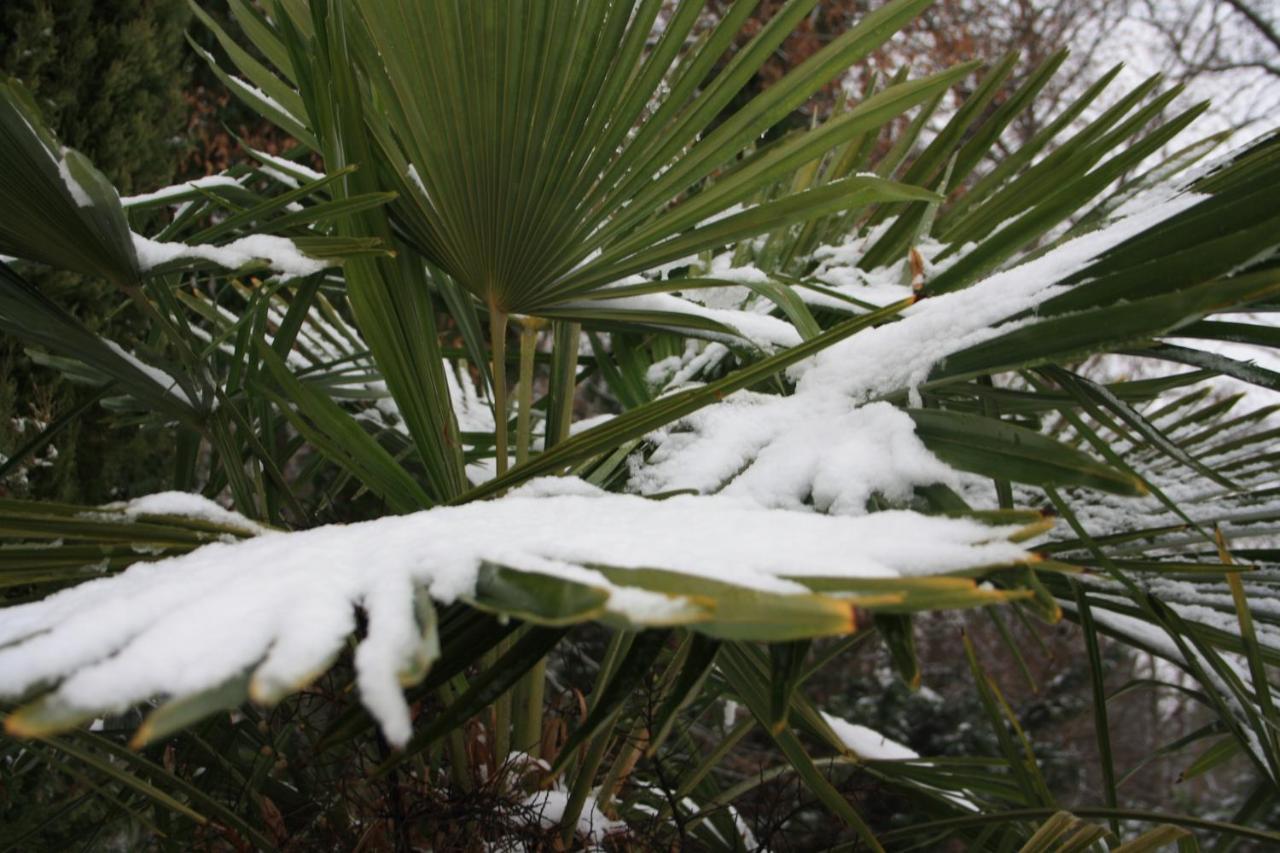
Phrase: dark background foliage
(117,82)
(103,72)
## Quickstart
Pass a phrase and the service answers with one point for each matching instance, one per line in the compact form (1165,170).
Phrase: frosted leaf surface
(778,449)
(284,170)
(164,193)
(280,252)
(187,505)
(868,743)
(74,187)
(164,380)
(760,329)
(253,92)
(833,455)
(281,604)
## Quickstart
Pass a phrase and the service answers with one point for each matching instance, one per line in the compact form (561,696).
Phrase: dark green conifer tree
(109,76)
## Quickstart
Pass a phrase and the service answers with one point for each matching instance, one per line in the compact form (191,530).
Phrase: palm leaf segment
(535,164)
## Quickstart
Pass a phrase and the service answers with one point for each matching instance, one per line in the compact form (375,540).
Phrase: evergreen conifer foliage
(106,77)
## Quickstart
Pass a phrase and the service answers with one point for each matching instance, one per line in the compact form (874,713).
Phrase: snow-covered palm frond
(847,382)
(554,553)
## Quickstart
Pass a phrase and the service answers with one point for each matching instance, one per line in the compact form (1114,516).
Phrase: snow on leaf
(280,605)
(760,329)
(280,252)
(870,745)
(161,378)
(776,449)
(288,172)
(78,192)
(187,505)
(184,188)
(818,450)
(867,743)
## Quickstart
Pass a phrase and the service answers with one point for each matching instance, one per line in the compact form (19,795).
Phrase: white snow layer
(817,448)
(867,743)
(164,380)
(280,252)
(825,441)
(187,505)
(760,329)
(77,191)
(254,93)
(164,193)
(281,605)
(285,170)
